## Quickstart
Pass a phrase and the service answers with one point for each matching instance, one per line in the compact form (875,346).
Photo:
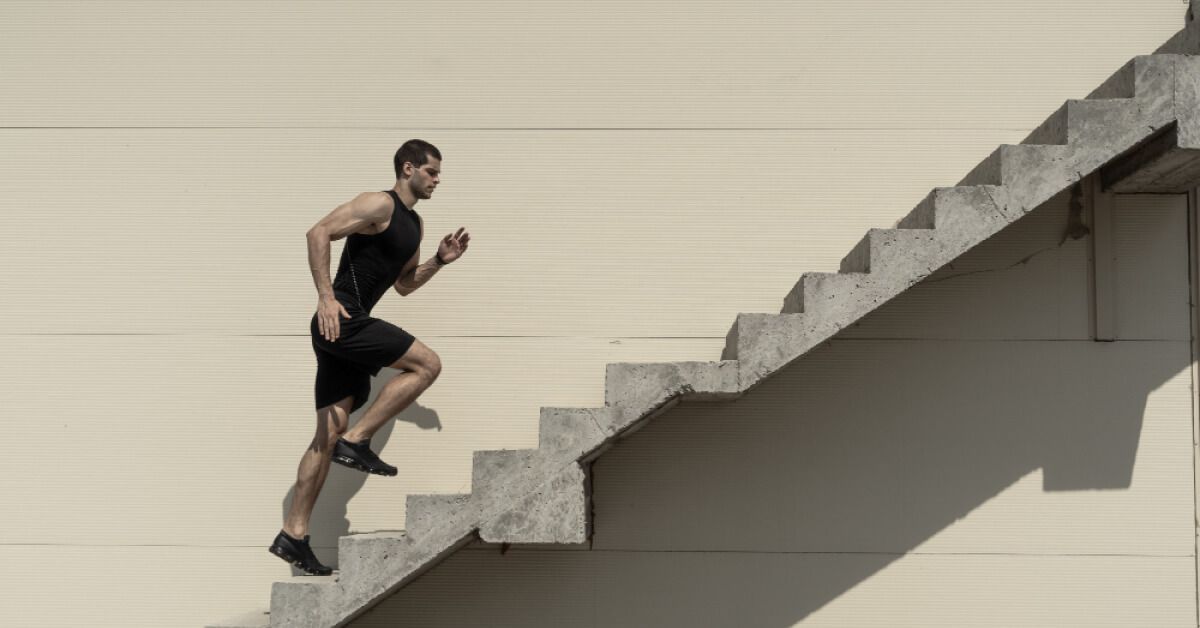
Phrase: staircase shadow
(855,457)
(328,521)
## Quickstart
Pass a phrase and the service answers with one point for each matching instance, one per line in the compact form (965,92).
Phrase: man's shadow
(328,520)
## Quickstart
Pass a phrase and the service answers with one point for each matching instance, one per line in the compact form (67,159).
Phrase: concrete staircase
(541,496)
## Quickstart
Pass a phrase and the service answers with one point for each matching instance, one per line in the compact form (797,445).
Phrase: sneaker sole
(354,464)
(296,562)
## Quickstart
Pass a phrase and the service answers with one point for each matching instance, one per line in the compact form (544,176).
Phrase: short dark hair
(414,151)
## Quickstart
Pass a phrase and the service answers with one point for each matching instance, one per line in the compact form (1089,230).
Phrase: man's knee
(420,359)
(434,367)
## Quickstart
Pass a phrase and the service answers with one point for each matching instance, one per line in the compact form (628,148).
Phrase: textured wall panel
(572,232)
(1150,241)
(618,64)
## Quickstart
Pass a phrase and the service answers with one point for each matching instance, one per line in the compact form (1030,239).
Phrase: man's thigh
(339,380)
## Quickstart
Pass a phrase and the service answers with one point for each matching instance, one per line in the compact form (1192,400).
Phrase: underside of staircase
(1139,131)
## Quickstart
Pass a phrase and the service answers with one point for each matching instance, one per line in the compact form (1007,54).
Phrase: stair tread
(377,534)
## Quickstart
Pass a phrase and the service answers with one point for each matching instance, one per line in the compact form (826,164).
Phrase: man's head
(418,164)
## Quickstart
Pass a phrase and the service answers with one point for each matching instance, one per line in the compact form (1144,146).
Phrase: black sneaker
(298,553)
(359,456)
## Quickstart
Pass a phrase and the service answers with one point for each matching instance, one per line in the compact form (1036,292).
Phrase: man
(382,249)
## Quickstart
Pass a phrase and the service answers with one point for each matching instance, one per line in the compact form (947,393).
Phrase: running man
(382,249)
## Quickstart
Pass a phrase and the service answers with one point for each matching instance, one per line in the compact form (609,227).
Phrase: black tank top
(371,263)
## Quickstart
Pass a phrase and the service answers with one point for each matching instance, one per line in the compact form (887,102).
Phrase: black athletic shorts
(364,346)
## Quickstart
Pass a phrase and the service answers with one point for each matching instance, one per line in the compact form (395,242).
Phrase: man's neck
(406,196)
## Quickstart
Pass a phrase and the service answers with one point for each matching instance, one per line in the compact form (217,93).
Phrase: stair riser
(837,299)
(1091,121)
(303,604)
(1147,78)
(1027,168)
(554,512)
(501,477)
(966,214)
(571,432)
(428,515)
(492,469)
(1187,106)
(768,342)
(842,302)
(365,555)
(902,253)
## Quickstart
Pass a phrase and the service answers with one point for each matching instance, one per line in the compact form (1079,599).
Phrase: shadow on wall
(329,520)
(764,510)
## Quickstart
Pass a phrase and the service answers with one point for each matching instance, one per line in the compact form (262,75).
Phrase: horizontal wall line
(848,553)
(307,335)
(853,339)
(422,129)
(487,548)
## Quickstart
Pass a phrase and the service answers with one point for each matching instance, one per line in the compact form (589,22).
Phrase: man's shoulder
(376,204)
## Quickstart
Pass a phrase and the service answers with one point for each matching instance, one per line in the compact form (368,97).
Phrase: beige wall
(1000,470)
(632,176)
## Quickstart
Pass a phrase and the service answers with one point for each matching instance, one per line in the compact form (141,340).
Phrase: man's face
(426,177)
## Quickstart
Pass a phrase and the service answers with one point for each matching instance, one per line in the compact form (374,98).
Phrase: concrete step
(1140,76)
(295,602)
(1033,173)
(1015,163)
(572,432)
(839,299)
(765,343)
(364,554)
(902,252)
(554,511)
(970,213)
(638,388)
(425,514)
(492,468)
(1084,120)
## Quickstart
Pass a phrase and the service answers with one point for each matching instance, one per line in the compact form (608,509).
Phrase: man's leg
(314,465)
(422,366)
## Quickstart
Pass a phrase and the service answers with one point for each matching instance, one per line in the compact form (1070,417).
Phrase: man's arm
(353,216)
(412,278)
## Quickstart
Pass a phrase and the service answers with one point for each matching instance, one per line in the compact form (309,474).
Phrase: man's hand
(454,245)
(328,319)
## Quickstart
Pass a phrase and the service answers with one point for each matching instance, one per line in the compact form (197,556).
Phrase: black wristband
(438,257)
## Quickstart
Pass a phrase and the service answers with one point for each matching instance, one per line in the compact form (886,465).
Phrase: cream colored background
(633,175)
